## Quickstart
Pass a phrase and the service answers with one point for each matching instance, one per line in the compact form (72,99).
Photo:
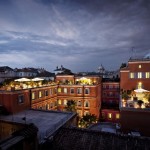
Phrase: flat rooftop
(46,121)
(105,127)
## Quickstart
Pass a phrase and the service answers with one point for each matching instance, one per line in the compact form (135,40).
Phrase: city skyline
(80,35)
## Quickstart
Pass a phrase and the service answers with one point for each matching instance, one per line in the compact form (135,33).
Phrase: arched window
(86,104)
(79,103)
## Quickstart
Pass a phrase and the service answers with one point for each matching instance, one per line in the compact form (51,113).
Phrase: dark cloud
(78,34)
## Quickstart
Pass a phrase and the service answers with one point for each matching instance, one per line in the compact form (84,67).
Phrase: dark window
(21,99)
(46,93)
(72,91)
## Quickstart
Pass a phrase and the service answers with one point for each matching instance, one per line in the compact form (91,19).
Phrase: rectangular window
(33,95)
(139,75)
(147,75)
(132,75)
(72,91)
(117,116)
(87,90)
(65,90)
(109,115)
(79,90)
(40,94)
(51,91)
(46,93)
(20,99)
(59,90)
(55,90)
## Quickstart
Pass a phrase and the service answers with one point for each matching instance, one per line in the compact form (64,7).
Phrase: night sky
(78,34)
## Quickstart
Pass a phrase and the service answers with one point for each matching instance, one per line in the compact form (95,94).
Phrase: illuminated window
(86,113)
(72,91)
(139,85)
(59,90)
(109,115)
(79,90)
(21,99)
(132,75)
(59,102)
(139,75)
(65,102)
(65,90)
(87,90)
(117,116)
(33,95)
(46,93)
(140,66)
(147,75)
(40,94)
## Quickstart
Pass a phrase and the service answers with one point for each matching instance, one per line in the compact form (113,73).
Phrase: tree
(123,65)
(125,95)
(87,120)
(71,106)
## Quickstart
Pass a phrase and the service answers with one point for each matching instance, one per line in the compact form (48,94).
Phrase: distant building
(62,70)
(6,73)
(26,72)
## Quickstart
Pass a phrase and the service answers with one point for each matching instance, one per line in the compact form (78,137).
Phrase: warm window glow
(59,102)
(109,116)
(139,85)
(139,74)
(40,94)
(147,74)
(33,95)
(59,90)
(65,102)
(65,90)
(117,116)
(132,75)
(140,66)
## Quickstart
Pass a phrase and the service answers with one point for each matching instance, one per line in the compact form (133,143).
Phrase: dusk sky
(78,34)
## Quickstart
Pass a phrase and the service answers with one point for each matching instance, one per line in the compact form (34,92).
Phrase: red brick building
(135,84)
(135,75)
(110,100)
(84,91)
(15,101)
